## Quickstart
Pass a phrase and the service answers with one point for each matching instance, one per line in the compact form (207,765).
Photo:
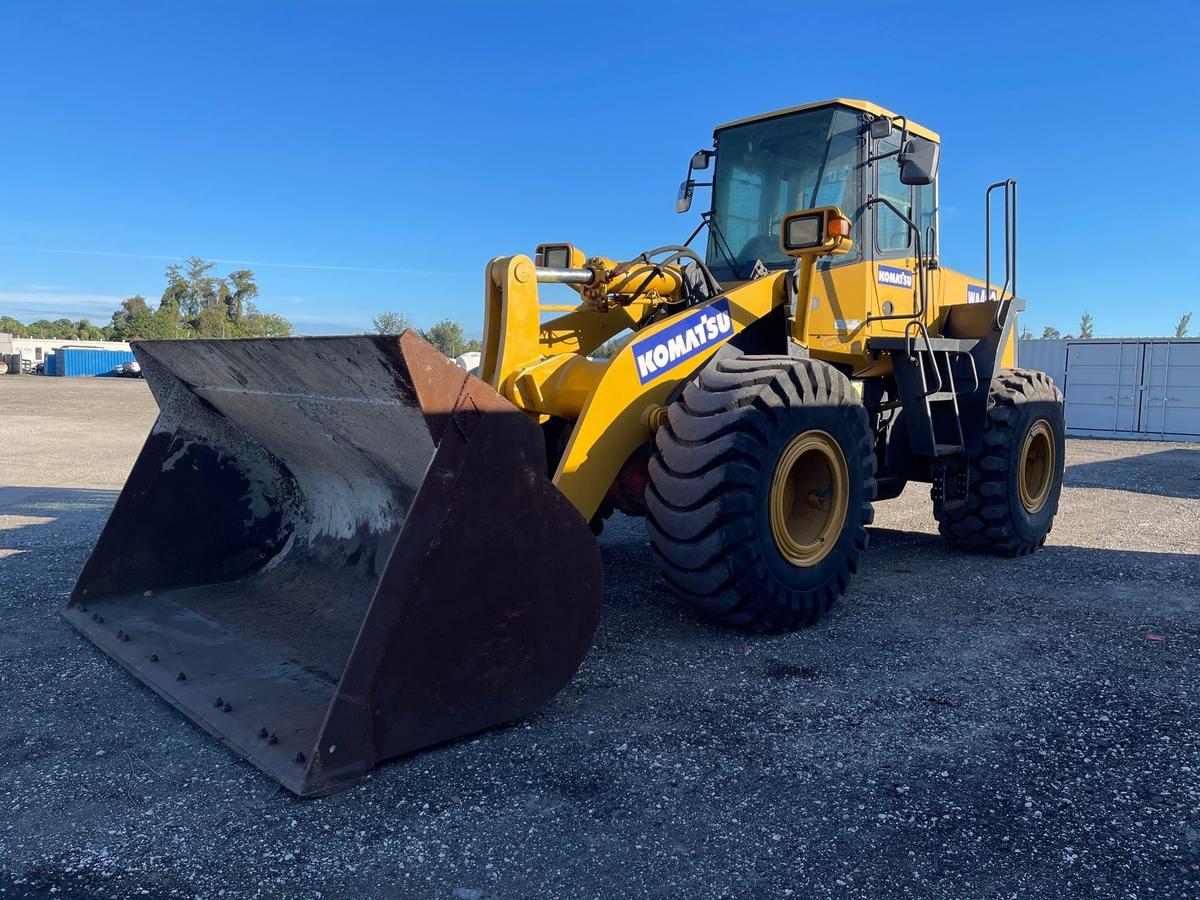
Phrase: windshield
(770,168)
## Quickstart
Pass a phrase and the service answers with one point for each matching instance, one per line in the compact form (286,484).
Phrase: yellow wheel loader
(334,551)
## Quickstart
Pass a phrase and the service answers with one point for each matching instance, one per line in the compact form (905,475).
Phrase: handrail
(1010,241)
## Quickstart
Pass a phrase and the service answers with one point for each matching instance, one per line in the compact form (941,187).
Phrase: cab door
(892,249)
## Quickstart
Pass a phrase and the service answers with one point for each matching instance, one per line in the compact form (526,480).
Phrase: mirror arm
(889,154)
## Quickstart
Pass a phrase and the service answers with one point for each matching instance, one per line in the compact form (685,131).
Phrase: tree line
(447,335)
(1087,329)
(195,303)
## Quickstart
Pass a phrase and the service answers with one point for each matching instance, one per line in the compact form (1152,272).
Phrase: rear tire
(761,484)
(1015,482)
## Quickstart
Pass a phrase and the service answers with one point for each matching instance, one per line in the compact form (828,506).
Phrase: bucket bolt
(273,739)
(182,676)
(262,733)
(153,657)
(228,707)
(299,756)
(218,702)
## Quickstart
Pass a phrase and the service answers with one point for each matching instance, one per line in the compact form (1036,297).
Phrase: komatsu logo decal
(692,334)
(975,293)
(895,277)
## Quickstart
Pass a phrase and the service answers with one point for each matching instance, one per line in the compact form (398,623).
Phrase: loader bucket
(334,551)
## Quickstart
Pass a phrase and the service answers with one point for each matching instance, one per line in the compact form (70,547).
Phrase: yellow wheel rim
(809,495)
(1037,466)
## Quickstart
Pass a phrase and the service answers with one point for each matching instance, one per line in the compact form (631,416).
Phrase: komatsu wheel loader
(334,551)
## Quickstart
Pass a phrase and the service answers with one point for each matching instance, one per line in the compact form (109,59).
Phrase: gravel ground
(961,726)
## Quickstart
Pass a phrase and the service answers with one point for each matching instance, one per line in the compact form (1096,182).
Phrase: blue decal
(694,333)
(895,277)
(975,293)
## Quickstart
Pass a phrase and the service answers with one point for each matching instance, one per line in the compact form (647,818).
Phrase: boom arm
(543,368)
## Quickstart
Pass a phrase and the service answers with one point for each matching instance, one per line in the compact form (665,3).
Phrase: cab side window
(927,218)
(892,235)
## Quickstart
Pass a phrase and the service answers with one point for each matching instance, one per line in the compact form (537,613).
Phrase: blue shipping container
(74,361)
(50,364)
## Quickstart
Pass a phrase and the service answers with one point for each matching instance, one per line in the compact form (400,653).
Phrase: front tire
(1014,483)
(761,484)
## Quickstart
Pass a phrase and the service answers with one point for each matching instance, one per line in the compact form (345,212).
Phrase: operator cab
(834,153)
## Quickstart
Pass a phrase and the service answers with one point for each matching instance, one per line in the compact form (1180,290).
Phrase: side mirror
(700,159)
(684,201)
(918,161)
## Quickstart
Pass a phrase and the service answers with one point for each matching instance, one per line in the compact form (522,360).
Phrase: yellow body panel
(614,424)
(843,297)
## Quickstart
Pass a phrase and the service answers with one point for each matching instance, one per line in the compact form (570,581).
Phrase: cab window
(892,234)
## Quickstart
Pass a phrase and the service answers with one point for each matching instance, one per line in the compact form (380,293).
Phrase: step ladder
(931,374)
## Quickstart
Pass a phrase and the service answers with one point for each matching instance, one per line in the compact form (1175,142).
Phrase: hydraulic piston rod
(565,276)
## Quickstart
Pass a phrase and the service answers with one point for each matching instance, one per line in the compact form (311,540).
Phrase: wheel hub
(1036,467)
(809,498)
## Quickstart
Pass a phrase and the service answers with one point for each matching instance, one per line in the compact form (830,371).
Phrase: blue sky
(367,157)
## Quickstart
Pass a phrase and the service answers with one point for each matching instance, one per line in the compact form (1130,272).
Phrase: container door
(1171,401)
(1104,379)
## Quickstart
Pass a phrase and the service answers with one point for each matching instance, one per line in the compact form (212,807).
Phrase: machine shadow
(1166,473)
(641,600)
(59,516)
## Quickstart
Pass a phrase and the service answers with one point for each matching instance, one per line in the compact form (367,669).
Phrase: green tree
(135,319)
(448,337)
(255,323)
(605,350)
(238,292)
(391,323)
(1086,326)
(1050,333)
(203,288)
(1181,329)
(176,292)
(197,303)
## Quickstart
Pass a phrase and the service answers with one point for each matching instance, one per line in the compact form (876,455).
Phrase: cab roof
(863,105)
